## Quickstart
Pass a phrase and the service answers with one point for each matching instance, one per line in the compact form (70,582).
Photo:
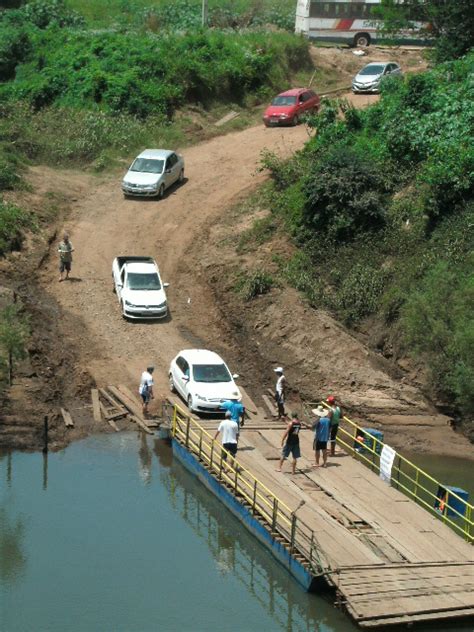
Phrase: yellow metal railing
(409,478)
(278,518)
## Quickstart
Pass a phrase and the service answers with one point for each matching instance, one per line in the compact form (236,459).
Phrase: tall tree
(450,23)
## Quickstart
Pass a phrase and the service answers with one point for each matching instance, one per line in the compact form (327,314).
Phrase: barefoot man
(290,443)
(322,431)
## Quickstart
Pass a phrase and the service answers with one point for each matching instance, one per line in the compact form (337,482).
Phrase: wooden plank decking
(391,561)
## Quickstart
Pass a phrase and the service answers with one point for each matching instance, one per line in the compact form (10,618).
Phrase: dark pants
(280,404)
(231,448)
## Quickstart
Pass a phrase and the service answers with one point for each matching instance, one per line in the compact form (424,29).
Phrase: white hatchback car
(152,172)
(203,380)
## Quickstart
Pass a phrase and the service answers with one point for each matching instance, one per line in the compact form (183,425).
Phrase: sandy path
(104,225)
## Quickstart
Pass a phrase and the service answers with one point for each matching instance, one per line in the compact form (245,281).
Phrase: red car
(288,107)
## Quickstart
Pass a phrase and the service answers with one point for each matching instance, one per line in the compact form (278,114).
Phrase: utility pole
(204,13)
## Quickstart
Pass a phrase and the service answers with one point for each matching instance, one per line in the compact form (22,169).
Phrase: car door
(313,101)
(395,70)
(181,376)
(121,284)
(174,167)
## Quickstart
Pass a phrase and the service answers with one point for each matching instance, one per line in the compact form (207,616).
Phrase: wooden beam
(96,405)
(111,422)
(141,423)
(67,418)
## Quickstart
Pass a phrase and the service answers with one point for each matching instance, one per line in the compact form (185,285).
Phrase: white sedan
(203,380)
(152,172)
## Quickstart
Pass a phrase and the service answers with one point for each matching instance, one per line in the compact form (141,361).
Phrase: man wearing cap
(146,388)
(321,427)
(335,419)
(280,392)
(236,409)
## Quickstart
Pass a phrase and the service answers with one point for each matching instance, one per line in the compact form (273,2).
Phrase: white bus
(348,21)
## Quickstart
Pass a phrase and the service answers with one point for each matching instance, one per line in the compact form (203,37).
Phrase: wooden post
(45,434)
(293,532)
(220,466)
(311,547)
(212,454)
(200,444)
(254,495)
(236,478)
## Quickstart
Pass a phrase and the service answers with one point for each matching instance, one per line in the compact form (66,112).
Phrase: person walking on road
(65,251)
(146,388)
(335,419)
(229,430)
(280,392)
(321,427)
(290,443)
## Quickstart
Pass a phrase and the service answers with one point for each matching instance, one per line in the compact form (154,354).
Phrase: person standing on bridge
(65,251)
(322,431)
(236,409)
(230,433)
(290,443)
(335,419)
(146,388)
(280,392)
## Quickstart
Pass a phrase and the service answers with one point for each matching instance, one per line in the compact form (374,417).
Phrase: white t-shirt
(146,382)
(229,430)
(279,385)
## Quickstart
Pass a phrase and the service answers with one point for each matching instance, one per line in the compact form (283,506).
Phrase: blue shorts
(294,450)
(145,397)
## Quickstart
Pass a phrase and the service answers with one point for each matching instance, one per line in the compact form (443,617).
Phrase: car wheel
(190,403)
(171,384)
(361,40)
(296,119)
(181,176)
(161,192)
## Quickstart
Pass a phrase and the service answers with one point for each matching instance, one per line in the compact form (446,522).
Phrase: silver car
(152,172)
(369,78)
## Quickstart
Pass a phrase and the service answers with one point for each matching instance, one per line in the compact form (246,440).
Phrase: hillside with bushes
(380,205)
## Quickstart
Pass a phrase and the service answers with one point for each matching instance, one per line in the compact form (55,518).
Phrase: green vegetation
(253,284)
(13,222)
(14,334)
(380,203)
(450,24)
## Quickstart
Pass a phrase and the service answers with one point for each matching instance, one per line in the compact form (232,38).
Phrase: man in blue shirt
(237,411)
(322,431)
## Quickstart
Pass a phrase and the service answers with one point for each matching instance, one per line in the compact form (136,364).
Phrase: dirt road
(104,225)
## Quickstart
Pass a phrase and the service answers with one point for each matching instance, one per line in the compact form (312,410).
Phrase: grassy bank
(380,207)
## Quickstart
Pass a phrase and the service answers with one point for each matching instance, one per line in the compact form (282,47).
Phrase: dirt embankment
(80,339)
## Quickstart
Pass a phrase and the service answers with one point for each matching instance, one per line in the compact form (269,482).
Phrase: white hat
(320,411)
(279,369)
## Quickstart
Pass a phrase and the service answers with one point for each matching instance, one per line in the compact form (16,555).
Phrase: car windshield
(211,373)
(143,281)
(147,165)
(372,70)
(282,100)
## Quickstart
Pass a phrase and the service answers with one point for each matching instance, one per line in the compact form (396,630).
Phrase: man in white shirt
(146,388)
(230,431)
(280,392)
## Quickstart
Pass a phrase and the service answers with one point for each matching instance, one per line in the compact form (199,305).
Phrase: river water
(114,534)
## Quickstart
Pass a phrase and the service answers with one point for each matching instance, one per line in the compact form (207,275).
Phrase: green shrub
(13,221)
(14,334)
(359,293)
(261,231)
(253,284)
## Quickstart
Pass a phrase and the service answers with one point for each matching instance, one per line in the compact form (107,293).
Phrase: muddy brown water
(114,534)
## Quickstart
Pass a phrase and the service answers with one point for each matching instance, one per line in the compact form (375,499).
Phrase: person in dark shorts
(230,431)
(280,392)
(65,251)
(321,427)
(146,388)
(335,419)
(290,443)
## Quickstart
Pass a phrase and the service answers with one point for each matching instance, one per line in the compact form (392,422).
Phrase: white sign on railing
(386,462)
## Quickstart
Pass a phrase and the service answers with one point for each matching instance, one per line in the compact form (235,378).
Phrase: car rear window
(372,70)
(143,281)
(211,373)
(148,165)
(282,100)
